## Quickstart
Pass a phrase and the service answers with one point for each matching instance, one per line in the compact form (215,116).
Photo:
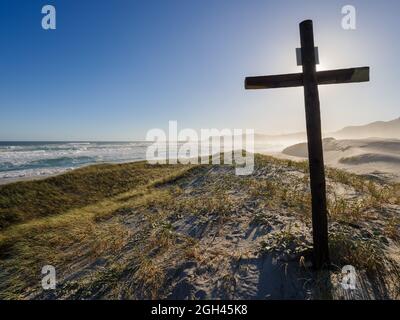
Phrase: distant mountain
(287,136)
(377,129)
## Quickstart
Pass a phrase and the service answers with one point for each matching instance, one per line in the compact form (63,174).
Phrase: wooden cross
(310,79)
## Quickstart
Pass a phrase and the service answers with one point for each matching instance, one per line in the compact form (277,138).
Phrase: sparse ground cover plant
(185,231)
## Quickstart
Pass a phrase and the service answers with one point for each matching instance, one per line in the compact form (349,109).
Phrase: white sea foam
(30,173)
(21,160)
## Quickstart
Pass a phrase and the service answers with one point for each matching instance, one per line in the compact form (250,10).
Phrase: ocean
(25,159)
(19,160)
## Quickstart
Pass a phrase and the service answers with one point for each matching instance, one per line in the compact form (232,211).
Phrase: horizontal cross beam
(296,79)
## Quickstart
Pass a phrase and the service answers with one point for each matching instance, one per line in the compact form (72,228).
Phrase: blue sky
(112,70)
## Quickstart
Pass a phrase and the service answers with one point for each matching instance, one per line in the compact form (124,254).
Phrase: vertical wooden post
(315,153)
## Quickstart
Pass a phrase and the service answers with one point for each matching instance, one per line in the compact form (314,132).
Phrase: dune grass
(68,225)
(26,200)
(75,218)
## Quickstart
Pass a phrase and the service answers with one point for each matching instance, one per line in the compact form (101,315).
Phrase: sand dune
(195,232)
(376,157)
(370,157)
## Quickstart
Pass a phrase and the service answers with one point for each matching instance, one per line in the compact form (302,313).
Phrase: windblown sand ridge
(374,157)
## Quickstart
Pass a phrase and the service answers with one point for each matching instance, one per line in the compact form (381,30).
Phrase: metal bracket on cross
(298,56)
